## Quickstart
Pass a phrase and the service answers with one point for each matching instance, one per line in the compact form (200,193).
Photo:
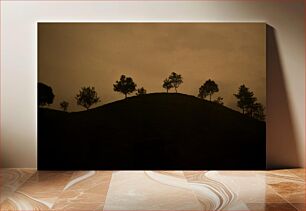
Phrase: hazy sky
(72,55)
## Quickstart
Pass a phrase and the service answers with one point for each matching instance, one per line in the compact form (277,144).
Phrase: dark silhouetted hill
(152,131)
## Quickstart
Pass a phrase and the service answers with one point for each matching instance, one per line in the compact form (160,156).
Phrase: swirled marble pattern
(27,189)
(223,198)
(147,190)
(85,191)
(12,179)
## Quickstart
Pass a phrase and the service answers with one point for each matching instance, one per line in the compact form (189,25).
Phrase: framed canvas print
(166,96)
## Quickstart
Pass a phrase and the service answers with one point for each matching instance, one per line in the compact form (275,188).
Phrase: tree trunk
(125,95)
(175,90)
(210,97)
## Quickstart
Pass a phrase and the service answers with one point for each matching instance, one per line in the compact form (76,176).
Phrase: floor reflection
(27,189)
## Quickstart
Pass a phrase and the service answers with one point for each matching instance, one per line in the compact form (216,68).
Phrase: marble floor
(28,189)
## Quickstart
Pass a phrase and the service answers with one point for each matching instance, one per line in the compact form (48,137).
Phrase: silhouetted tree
(208,89)
(141,91)
(246,99)
(125,85)
(45,94)
(176,80)
(64,105)
(258,111)
(202,92)
(167,84)
(87,97)
(219,100)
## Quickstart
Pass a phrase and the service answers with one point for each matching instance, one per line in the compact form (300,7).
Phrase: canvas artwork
(166,96)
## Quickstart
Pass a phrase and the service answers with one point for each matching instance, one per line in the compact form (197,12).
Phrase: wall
(285,63)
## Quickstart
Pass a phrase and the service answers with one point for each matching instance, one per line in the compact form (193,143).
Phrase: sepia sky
(72,55)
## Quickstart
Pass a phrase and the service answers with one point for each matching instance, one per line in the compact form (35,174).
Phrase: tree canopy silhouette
(248,103)
(246,99)
(258,111)
(125,85)
(208,89)
(219,100)
(141,91)
(87,97)
(176,80)
(45,94)
(64,105)
(167,84)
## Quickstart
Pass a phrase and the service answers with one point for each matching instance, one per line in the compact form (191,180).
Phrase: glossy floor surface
(28,189)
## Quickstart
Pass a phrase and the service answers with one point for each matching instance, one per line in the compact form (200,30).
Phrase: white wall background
(19,61)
